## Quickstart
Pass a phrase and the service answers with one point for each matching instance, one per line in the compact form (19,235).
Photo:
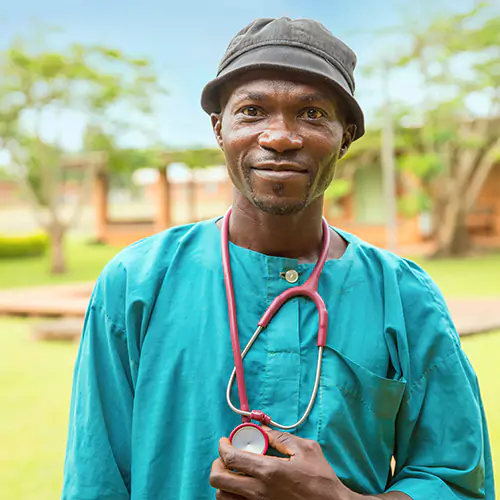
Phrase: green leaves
(49,65)
(86,79)
(425,166)
(338,189)
(128,159)
(119,160)
(413,203)
(198,158)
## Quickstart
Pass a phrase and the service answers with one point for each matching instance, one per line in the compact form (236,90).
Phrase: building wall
(368,196)
(363,212)
(9,193)
(212,199)
(125,233)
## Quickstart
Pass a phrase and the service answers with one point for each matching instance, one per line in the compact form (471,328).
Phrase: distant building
(186,195)
(363,213)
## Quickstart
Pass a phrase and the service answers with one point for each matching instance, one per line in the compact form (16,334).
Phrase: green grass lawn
(35,385)
(473,276)
(35,381)
(85,262)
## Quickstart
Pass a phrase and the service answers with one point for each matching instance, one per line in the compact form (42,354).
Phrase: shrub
(31,245)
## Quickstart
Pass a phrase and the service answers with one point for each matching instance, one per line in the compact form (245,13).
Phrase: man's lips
(279,171)
(280,167)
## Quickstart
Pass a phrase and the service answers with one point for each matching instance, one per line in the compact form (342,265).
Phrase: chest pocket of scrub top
(357,418)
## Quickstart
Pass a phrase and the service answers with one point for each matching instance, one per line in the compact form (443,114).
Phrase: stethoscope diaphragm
(250,437)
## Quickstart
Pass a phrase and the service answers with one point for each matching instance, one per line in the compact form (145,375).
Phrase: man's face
(282,136)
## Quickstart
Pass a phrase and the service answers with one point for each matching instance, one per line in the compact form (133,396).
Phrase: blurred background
(103,142)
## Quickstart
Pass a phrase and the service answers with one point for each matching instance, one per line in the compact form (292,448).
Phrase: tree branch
(480,175)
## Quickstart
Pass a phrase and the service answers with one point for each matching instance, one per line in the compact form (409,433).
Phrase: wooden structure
(362,211)
(126,231)
(162,196)
(123,231)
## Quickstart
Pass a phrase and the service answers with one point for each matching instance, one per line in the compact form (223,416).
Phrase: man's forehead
(262,85)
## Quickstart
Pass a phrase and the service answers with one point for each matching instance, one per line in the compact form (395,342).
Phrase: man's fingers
(258,466)
(289,444)
(227,481)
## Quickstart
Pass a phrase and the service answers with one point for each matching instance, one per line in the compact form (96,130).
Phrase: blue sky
(186,39)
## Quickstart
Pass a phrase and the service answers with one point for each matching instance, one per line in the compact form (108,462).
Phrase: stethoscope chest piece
(250,437)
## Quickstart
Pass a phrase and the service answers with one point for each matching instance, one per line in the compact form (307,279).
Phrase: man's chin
(279,207)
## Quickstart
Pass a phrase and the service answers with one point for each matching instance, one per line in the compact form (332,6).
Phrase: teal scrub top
(148,404)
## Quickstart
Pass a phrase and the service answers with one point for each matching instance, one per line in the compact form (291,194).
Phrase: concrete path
(473,315)
(46,301)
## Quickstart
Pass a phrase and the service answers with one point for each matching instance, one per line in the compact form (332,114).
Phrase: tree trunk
(460,244)
(437,215)
(101,188)
(57,260)
(452,236)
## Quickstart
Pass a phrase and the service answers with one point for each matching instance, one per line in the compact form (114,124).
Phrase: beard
(276,205)
(272,208)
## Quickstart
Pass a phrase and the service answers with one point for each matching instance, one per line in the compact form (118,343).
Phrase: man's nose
(280,138)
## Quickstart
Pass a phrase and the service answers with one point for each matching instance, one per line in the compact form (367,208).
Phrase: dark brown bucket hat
(301,45)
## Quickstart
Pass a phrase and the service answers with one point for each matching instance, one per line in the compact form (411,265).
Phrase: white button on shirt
(292,276)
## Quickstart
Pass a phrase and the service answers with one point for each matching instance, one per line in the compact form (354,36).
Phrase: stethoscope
(249,436)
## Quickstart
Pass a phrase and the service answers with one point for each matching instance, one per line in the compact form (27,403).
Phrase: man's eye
(251,111)
(314,113)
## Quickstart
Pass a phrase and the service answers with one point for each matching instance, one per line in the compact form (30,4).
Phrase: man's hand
(305,475)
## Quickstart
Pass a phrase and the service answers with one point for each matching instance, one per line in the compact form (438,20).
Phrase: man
(149,411)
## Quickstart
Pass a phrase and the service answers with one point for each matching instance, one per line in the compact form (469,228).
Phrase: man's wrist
(393,495)
(347,494)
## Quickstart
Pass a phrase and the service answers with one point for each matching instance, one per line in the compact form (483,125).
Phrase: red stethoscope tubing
(233,323)
(308,289)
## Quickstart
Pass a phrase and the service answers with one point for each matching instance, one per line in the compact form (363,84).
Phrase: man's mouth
(279,171)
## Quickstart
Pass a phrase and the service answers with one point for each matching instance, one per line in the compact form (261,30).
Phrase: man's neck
(297,236)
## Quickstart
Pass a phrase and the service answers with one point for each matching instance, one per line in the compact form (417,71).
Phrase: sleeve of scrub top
(442,449)
(98,453)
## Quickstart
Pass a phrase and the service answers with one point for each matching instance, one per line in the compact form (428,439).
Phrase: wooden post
(389,169)
(163,217)
(192,186)
(101,204)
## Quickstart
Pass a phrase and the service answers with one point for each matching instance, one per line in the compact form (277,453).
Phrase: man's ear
(347,138)
(217,126)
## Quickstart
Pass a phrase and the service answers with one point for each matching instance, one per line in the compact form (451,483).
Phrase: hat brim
(285,58)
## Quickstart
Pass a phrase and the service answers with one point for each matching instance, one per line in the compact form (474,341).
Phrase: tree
(453,145)
(40,86)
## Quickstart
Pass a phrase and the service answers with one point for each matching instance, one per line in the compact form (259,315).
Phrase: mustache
(286,157)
